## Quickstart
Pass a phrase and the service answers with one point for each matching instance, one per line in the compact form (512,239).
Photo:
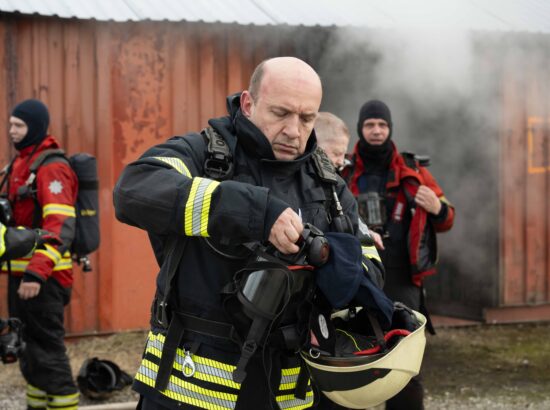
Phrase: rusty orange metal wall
(525,173)
(114,90)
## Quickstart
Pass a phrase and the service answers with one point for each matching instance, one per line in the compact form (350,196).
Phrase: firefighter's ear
(247,103)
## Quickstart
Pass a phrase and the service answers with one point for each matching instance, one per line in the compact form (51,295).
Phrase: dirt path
(479,367)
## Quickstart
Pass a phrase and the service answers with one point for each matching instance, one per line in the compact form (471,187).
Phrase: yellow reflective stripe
(2,243)
(36,398)
(67,401)
(206,369)
(19,265)
(290,402)
(186,392)
(289,378)
(198,206)
(445,200)
(58,209)
(177,164)
(371,253)
(51,253)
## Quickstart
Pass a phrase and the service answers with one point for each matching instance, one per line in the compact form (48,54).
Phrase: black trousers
(44,363)
(410,398)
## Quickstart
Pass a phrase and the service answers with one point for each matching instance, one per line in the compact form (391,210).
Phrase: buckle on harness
(218,166)
(248,349)
(161,315)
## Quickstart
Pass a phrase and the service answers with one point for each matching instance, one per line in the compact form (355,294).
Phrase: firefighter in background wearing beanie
(39,285)
(412,201)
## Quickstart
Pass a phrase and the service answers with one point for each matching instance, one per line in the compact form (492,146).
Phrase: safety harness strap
(219,162)
(175,247)
(171,343)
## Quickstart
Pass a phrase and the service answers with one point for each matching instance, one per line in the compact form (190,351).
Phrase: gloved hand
(43,237)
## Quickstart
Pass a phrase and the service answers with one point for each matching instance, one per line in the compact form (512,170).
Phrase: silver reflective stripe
(205,369)
(66,401)
(370,252)
(186,392)
(290,402)
(177,164)
(197,208)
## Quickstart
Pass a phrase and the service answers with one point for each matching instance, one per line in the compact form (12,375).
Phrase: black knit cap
(373,109)
(35,114)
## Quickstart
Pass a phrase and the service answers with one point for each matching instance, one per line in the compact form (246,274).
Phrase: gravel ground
(479,367)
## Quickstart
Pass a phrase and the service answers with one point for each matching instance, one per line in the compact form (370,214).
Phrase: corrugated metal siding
(114,90)
(499,15)
(526,174)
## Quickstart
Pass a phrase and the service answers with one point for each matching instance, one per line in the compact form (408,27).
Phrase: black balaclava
(375,157)
(35,114)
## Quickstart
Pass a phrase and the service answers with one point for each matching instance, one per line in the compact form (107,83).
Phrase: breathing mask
(372,209)
(11,342)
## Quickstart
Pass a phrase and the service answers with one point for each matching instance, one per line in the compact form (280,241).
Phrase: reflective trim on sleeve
(51,253)
(370,252)
(58,209)
(197,208)
(2,242)
(175,163)
(19,265)
(445,200)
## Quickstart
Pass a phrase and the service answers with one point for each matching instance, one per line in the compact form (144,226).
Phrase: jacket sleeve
(445,219)
(57,188)
(16,242)
(372,263)
(165,192)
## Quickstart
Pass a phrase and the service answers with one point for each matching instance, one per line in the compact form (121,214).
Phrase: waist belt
(285,337)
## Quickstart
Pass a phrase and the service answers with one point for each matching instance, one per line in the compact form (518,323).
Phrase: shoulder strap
(219,161)
(44,156)
(326,172)
(40,160)
(323,166)
(413,160)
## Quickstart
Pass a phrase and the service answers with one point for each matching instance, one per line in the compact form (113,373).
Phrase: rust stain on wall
(140,92)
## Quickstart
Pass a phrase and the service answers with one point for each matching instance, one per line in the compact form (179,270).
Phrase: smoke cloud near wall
(444,104)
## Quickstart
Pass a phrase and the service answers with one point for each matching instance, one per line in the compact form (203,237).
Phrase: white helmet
(366,380)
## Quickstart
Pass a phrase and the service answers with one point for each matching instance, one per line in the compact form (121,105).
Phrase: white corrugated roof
(491,15)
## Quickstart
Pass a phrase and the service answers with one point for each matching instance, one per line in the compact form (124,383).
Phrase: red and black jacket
(401,185)
(50,208)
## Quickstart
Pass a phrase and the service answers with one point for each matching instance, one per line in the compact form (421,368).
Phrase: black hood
(35,114)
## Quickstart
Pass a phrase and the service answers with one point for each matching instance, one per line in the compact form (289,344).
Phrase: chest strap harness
(219,166)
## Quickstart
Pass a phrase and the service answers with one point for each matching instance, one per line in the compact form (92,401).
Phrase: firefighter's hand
(427,199)
(43,237)
(28,290)
(286,231)
(377,238)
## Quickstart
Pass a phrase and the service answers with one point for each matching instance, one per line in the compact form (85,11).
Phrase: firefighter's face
(336,149)
(375,131)
(285,106)
(18,129)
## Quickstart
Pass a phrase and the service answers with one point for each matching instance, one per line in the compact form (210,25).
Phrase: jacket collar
(237,129)
(47,143)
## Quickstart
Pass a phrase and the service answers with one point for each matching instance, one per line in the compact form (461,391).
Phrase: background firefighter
(39,284)
(401,200)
